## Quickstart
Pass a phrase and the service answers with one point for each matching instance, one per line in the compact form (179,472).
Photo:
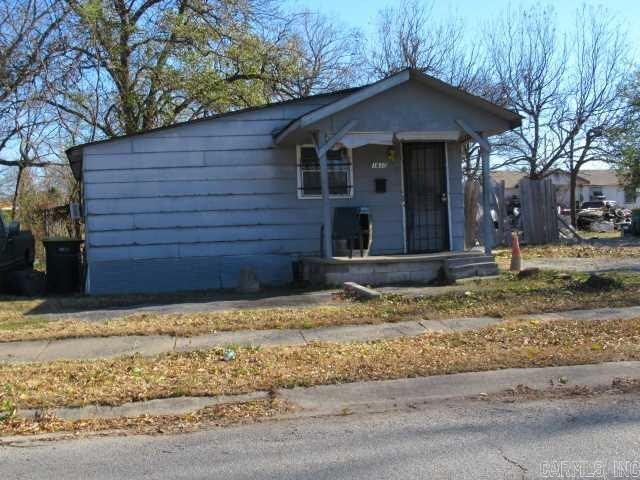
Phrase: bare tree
(529,60)
(326,55)
(30,41)
(566,86)
(596,104)
(410,36)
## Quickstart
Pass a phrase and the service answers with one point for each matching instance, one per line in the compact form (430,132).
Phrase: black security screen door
(425,190)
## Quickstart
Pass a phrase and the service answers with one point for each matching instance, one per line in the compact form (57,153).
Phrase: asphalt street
(595,437)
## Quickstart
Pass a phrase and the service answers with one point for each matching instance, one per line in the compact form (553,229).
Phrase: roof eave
(74,156)
(513,119)
(327,110)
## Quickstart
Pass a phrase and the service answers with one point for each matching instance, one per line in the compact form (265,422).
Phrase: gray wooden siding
(186,208)
(263,212)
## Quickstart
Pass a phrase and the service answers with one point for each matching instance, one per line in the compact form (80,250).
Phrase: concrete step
(480,269)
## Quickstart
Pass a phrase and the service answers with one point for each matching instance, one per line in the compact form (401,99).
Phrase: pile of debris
(603,216)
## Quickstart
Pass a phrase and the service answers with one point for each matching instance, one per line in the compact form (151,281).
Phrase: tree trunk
(14,202)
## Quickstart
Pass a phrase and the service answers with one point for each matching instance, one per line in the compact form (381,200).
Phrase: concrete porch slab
(396,269)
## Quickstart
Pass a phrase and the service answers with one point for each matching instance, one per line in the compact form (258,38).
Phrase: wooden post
(326,206)
(486,201)
(322,146)
(485,149)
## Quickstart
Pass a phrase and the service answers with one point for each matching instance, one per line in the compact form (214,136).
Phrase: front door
(425,192)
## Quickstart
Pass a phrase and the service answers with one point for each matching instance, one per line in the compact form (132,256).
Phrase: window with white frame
(340,170)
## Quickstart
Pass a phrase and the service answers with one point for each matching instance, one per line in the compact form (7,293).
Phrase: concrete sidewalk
(109,347)
(375,396)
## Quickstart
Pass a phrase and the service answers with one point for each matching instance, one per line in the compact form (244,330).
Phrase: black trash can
(64,264)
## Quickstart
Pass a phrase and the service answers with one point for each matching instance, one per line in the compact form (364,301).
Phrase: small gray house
(268,189)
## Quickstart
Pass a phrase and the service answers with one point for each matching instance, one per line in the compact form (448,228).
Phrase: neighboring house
(188,206)
(559,178)
(591,184)
(606,183)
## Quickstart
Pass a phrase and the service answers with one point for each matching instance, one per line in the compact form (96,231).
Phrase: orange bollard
(516,257)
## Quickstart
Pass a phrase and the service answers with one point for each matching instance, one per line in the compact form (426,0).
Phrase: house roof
(74,153)
(511,178)
(368,91)
(601,177)
(218,115)
(347,98)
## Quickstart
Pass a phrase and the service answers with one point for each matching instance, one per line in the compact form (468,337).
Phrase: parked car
(16,247)
(599,204)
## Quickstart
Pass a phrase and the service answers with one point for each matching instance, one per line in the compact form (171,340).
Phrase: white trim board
(448,184)
(426,136)
(404,202)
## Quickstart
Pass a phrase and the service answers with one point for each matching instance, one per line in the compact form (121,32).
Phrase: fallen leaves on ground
(200,373)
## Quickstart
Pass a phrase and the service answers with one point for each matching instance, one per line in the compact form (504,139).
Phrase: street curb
(156,407)
(376,395)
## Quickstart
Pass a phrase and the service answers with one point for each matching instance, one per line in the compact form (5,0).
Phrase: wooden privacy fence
(472,209)
(539,211)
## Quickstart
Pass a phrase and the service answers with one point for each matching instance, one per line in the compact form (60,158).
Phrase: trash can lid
(62,240)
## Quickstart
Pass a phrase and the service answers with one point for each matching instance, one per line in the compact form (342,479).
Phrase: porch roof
(387,117)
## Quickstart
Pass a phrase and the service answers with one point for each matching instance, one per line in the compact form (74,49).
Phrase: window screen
(340,173)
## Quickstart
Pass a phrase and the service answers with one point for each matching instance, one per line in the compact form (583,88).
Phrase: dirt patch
(598,283)
(217,415)
(528,273)
(524,393)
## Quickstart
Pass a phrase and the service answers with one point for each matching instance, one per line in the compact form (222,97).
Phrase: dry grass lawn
(503,297)
(134,378)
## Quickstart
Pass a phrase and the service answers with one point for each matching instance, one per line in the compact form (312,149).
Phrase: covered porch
(421,125)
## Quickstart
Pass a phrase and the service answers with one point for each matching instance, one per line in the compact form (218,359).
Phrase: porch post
(486,198)
(485,150)
(326,205)
(321,151)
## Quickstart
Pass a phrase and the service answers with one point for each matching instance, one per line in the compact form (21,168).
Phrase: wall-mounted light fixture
(391,154)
